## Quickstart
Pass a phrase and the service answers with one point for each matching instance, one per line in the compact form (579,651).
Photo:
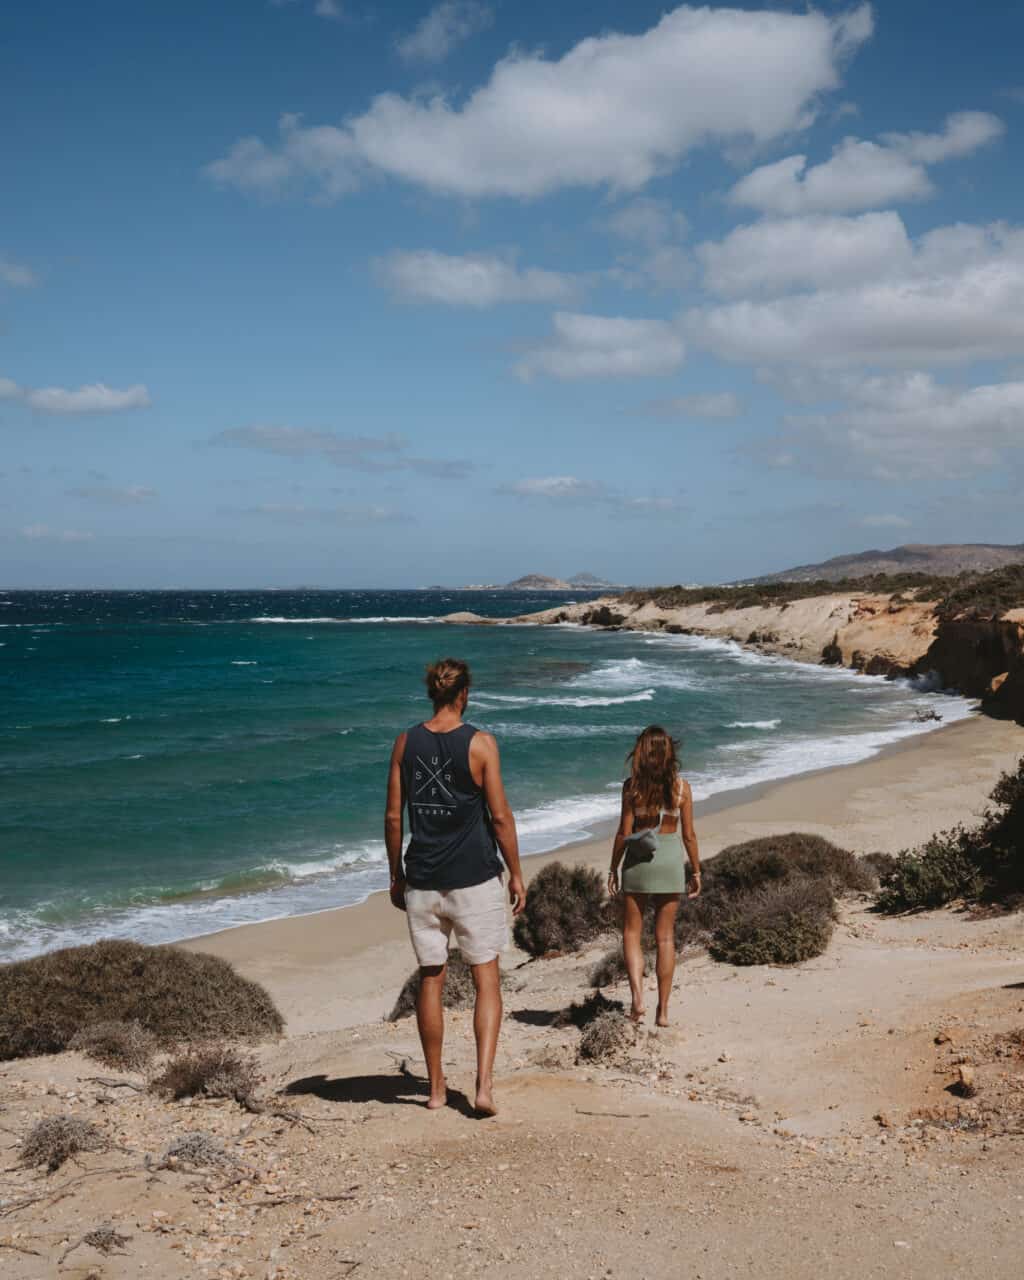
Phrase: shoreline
(342,966)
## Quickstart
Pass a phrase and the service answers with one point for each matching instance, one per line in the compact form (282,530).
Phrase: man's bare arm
(502,818)
(393,831)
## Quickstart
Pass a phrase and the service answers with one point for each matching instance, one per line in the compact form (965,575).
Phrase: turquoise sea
(177,762)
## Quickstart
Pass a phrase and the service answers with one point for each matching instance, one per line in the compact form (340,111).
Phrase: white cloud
(655,260)
(472,280)
(886,522)
(647,221)
(965,131)
(960,299)
(784,253)
(718,405)
(859,175)
(616,110)
(445,26)
(360,453)
(554,488)
(330,9)
(907,425)
(589,346)
(298,513)
(322,157)
(864,175)
(95,398)
(16,274)
(571,490)
(132,495)
(43,533)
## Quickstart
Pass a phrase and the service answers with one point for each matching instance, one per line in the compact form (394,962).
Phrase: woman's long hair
(654,768)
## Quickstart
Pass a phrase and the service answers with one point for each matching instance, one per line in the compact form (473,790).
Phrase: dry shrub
(582,1013)
(565,909)
(52,1141)
(608,1037)
(611,968)
(196,1149)
(781,923)
(754,863)
(125,1045)
(174,994)
(211,1071)
(106,1239)
(459,989)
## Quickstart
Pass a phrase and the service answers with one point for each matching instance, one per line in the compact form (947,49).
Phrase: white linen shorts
(475,914)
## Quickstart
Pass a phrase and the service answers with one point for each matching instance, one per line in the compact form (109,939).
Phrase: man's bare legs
(633,949)
(486,1025)
(665,907)
(430,1021)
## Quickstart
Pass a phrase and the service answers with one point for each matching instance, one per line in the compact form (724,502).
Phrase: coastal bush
(459,988)
(565,909)
(125,1045)
(607,1037)
(780,923)
(611,967)
(198,1149)
(880,863)
(985,595)
(211,1071)
(745,595)
(980,864)
(175,995)
(57,1138)
(743,867)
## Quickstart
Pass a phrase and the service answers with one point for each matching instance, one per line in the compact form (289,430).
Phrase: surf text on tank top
(452,843)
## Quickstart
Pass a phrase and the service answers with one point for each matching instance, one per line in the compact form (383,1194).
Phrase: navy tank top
(452,844)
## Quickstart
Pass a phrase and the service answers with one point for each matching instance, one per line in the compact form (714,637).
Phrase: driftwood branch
(305,1195)
(616,1115)
(109,1083)
(19,1248)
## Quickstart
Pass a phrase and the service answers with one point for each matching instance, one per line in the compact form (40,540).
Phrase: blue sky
(330,293)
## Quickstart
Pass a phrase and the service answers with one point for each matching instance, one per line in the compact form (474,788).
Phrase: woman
(655,826)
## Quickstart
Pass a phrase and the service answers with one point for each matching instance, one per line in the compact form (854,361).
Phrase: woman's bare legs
(665,907)
(633,949)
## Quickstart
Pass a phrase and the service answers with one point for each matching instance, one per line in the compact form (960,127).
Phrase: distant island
(541,582)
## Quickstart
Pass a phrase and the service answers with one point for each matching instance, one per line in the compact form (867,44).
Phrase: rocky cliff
(875,633)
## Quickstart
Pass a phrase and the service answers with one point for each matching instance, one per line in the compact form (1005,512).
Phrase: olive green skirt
(663,872)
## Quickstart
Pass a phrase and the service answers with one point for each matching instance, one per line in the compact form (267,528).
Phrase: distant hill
(944,559)
(541,582)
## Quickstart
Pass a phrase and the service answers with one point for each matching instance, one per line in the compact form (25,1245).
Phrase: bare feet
(637,1013)
(438,1096)
(484,1103)
(661,1020)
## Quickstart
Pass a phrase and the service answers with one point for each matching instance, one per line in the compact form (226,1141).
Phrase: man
(448,775)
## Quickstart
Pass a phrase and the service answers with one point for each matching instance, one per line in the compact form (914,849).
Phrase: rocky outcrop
(983,657)
(877,634)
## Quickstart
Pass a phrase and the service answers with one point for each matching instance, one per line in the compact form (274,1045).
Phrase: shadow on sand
(404,1090)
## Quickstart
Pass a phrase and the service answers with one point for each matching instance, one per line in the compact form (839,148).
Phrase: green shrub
(459,988)
(565,909)
(174,994)
(984,863)
(880,863)
(127,1046)
(780,923)
(941,871)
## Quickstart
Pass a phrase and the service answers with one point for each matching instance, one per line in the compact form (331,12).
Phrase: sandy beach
(790,1122)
